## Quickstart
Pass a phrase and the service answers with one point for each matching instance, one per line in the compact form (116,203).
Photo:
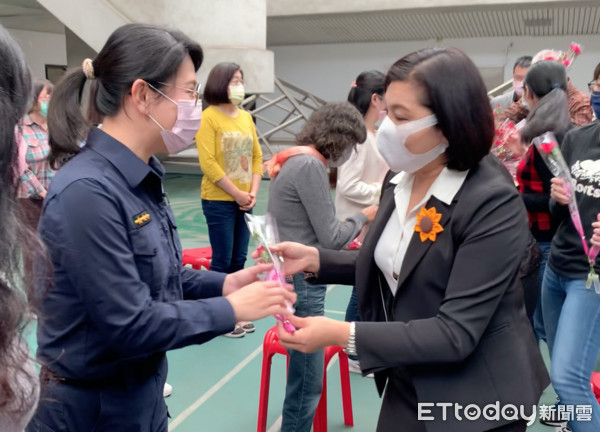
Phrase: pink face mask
(186,126)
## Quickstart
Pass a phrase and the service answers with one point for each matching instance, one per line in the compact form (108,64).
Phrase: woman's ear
(141,95)
(375,98)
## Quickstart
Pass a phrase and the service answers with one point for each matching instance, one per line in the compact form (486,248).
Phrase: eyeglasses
(236,81)
(593,86)
(195,93)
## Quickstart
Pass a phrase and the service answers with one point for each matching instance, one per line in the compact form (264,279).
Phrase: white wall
(328,70)
(41,49)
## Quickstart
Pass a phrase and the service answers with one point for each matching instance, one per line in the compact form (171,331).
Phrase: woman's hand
(261,299)
(296,257)
(314,333)
(370,212)
(251,205)
(596,235)
(241,278)
(558,191)
(243,198)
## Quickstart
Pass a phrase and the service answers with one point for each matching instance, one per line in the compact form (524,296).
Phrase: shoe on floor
(237,332)
(167,390)
(248,326)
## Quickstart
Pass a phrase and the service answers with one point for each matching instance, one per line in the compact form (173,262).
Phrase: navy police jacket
(119,297)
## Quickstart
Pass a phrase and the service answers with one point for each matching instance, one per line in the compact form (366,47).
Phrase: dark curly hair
(333,128)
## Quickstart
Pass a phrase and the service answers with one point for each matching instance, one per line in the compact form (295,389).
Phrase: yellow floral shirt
(229,147)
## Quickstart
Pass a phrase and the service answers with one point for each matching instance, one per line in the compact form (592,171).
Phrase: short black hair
(524,62)
(333,128)
(455,92)
(217,83)
(367,84)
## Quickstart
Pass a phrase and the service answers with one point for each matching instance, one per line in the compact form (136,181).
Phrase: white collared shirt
(395,238)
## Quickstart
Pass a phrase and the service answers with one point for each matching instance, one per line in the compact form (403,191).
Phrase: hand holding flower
(558,191)
(596,236)
(313,333)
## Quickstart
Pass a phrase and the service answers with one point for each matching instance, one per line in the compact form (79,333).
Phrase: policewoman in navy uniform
(120,298)
(439,296)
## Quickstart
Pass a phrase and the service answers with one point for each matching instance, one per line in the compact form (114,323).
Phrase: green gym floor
(216,385)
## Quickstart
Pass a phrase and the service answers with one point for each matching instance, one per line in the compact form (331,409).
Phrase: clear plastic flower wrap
(263,230)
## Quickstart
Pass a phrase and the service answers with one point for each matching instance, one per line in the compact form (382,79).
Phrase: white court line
(276,427)
(334,312)
(206,396)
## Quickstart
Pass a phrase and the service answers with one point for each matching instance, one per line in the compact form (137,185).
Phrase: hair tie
(88,69)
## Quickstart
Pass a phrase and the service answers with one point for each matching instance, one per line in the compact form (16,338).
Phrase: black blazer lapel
(417,248)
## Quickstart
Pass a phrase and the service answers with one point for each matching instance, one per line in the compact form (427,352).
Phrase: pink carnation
(576,48)
(567,63)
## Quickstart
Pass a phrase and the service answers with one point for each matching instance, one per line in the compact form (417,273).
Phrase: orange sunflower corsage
(428,224)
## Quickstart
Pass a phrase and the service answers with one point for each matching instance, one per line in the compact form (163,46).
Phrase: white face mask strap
(423,123)
(157,123)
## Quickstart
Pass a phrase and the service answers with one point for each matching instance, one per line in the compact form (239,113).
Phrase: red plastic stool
(271,346)
(198,257)
(595,382)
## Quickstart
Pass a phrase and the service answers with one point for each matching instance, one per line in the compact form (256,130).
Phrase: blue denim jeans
(538,317)
(572,321)
(305,373)
(228,235)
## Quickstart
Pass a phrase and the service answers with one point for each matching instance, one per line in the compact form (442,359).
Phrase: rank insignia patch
(142,219)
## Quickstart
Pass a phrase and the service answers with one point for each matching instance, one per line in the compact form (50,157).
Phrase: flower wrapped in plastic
(547,146)
(263,230)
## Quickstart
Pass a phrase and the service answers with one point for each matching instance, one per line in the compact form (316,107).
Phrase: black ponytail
(67,126)
(133,51)
(367,83)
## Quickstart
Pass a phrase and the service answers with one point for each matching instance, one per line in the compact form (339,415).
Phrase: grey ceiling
(566,18)
(580,18)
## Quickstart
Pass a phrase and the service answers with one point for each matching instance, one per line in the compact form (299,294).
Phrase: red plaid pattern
(530,182)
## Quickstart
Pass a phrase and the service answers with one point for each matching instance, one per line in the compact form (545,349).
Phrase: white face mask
(391,143)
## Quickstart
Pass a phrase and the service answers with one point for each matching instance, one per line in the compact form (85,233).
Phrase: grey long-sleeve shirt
(300,201)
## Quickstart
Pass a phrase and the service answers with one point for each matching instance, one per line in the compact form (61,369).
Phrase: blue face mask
(595,103)
(44,108)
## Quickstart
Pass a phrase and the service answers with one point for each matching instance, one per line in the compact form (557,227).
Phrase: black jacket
(457,326)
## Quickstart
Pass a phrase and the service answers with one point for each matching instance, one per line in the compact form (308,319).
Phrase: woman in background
(231,161)
(300,201)
(38,173)
(359,178)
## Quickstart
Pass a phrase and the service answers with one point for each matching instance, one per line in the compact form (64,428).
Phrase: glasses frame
(593,83)
(195,93)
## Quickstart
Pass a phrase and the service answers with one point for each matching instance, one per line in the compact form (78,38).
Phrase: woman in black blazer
(439,295)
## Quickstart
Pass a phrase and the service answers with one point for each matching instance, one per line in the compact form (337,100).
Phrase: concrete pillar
(228,30)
